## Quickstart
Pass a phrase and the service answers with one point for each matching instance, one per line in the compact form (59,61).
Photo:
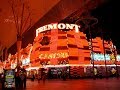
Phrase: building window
(87,58)
(86,47)
(61,32)
(72,46)
(62,37)
(69,35)
(82,37)
(108,52)
(73,57)
(45,49)
(62,48)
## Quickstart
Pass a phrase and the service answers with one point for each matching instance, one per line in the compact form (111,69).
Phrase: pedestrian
(23,80)
(2,81)
(39,77)
(95,72)
(25,77)
(33,77)
(64,74)
(44,77)
(17,80)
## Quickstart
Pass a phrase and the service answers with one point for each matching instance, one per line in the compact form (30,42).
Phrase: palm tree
(88,23)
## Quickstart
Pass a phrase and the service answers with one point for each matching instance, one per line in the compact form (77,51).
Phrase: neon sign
(57,26)
(118,57)
(53,55)
(100,57)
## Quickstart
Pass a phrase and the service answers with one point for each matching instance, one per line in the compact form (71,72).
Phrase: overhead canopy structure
(41,13)
(38,8)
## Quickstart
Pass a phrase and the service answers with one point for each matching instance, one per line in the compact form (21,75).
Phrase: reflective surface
(78,84)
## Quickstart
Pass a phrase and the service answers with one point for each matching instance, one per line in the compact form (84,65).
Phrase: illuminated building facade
(63,45)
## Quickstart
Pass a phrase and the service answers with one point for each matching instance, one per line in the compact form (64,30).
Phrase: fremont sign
(57,26)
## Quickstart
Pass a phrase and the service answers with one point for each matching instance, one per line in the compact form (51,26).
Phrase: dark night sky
(107,15)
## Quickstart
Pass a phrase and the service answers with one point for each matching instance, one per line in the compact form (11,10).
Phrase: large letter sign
(57,26)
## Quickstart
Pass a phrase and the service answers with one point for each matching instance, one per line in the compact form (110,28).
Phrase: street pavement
(74,84)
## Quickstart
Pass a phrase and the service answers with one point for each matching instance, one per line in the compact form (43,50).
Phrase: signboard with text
(9,76)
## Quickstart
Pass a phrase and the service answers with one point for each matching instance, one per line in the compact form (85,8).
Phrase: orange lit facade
(62,47)
(67,47)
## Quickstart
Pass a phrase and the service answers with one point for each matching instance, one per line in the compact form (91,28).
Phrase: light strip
(48,66)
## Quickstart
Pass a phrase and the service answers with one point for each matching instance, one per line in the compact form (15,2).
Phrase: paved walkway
(84,84)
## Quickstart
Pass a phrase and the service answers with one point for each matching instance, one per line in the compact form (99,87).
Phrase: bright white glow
(13,65)
(30,68)
(54,55)
(101,65)
(100,57)
(118,57)
(25,61)
(1,69)
(57,26)
(83,65)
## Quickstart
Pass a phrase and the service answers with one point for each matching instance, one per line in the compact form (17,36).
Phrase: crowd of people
(20,79)
(43,74)
(47,74)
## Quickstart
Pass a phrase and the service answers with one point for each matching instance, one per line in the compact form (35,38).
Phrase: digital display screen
(101,57)
(9,79)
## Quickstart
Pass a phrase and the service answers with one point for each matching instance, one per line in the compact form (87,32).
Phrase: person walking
(17,80)
(39,77)
(33,77)
(23,79)
(44,77)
